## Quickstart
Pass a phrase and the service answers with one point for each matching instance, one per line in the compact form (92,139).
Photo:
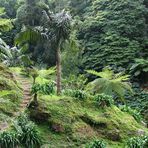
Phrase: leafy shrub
(137,142)
(132,112)
(28,134)
(48,89)
(8,140)
(140,66)
(45,89)
(145,138)
(103,100)
(79,94)
(75,82)
(30,137)
(22,120)
(138,100)
(96,144)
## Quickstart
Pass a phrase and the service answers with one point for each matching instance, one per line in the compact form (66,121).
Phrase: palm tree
(61,33)
(109,83)
(59,28)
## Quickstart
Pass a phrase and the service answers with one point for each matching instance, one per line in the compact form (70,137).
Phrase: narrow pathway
(26,86)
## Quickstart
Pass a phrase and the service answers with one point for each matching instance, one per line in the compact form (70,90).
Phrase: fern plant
(103,100)
(96,144)
(109,83)
(78,94)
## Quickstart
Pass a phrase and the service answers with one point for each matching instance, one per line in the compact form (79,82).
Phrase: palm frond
(31,35)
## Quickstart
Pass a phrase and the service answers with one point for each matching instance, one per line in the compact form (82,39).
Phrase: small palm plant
(109,83)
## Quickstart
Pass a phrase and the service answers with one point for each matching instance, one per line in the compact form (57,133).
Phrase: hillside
(68,122)
(73,73)
(10,95)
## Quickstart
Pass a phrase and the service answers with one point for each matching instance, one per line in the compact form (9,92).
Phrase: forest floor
(26,87)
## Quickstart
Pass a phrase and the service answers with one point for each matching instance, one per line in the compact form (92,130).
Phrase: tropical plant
(3,49)
(96,144)
(11,56)
(61,31)
(56,28)
(35,90)
(109,83)
(27,131)
(103,100)
(5,24)
(45,89)
(74,82)
(140,66)
(137,142)
(30,137)
(33,72)
(132,112)
(22,119)
(78,94)
(9,139)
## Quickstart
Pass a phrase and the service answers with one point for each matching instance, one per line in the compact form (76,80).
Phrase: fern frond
(106,73)
(110,83)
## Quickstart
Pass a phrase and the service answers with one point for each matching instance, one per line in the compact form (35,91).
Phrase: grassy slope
(72,123)
(10,94)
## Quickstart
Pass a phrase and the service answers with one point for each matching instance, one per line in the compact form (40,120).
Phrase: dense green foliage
(8,140)
(97,144)
(78,94)
(103,100)
(24,134)
(132,112)
(137,142)
(110,83)
(114,33)
(99,53)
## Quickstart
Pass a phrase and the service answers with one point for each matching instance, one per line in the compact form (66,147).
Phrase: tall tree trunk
(58,66)
(35,99)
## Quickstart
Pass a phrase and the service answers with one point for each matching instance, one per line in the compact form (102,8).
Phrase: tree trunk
(34,80)
(35,99)
(58,66)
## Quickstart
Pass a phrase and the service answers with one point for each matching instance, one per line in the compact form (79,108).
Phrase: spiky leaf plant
(9,140)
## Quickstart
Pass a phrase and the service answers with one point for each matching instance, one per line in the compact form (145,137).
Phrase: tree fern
(109,83)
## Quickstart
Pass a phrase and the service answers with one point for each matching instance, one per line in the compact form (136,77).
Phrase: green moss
(80,122)
(10,93)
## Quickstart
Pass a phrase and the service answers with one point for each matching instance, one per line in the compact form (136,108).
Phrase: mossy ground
(74,123)
(67,122)
(10,94)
